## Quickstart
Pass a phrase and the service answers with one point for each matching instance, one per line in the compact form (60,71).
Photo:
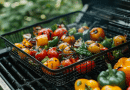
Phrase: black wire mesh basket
(69,73)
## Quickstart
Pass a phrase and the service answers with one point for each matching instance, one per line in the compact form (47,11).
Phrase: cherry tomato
(41,55)
(73,60)
(33,52)
(128,87)
(110,57)
(59,32)
(52,52)
(85,67)
(47,31)
(65,63)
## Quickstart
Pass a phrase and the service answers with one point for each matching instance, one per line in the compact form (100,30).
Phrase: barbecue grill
(112,16)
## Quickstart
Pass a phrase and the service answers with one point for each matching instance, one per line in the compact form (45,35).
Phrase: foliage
(16,14)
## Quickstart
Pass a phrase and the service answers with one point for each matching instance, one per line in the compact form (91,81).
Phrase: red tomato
(128,87)
(65,63)
(40,56)
(85,67)
(59,32)
(109,54)
(52,52)
(47,31)
(33,52)
(73,60)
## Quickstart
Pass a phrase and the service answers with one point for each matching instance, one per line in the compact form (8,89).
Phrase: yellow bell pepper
(85,84)
(108,87)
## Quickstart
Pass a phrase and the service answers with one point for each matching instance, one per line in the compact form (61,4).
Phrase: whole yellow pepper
(83,84)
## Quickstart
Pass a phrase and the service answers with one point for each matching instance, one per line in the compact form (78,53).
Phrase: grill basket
(64,75)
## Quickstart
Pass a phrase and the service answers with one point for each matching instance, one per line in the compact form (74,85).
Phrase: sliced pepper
(82,50)
(53,42)
(78,35)
(107,42)
(112,77)
(117,54)
(110,57)
(72,31)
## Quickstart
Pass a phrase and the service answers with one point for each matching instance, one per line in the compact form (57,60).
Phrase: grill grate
(19,77)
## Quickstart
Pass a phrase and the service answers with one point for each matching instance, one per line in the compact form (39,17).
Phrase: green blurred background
(15,14)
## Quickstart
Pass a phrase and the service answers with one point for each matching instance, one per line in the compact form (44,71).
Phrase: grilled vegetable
(18,45)
(65,63)
(117,54)
(95,47)
(52,63)
(72,31)
(46,31)
(41,40)
(123,64)
(110,57)
(97,34)
(109,87)
(107,42)
(27,43)
(41,55)
(85,67)
(112,77)
(68,39)
(88,42)
(53,53)
(68,51)
(22,55)
(78,35)
(82,50)
(36,30)
(53,42)
(128,88)
(82,29)
(59,32)
(118,40)
(62,46)
(85,84)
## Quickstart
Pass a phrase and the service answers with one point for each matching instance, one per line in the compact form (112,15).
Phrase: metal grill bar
(9,75)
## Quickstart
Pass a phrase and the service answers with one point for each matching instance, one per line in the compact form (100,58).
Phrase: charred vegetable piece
(22,55)
(107,42)
(95,47)
(41,55)
(78,35)
(72,31)
(82,29)
(53,42)
(97,34)
(62,46)
(68,39)
(27,43)
(41,40)
(82,50)
(118,40)
(36,30)
(46,31)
